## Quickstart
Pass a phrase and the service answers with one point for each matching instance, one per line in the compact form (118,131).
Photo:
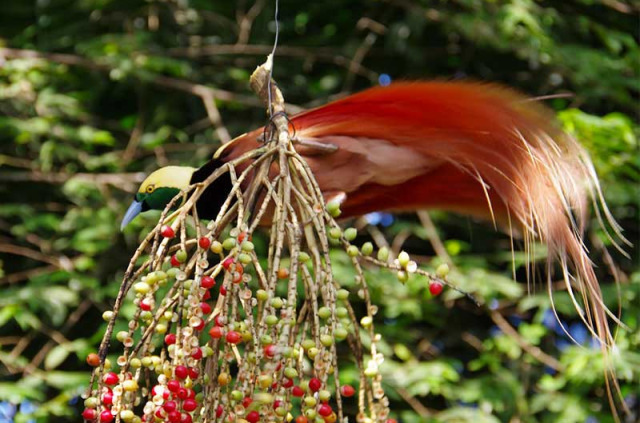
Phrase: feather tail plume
(476,149)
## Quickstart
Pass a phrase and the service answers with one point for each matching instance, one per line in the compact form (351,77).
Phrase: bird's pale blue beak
(134,209)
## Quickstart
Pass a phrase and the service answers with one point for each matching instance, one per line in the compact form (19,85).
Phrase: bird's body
(475,149)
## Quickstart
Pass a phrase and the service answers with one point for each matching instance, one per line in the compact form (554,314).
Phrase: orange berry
(93,360)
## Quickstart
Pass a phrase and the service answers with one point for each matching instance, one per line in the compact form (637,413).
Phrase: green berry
(141,288)
(333,207)
(367,248)
(244,258)
(290,372)
(247,246)
(366,321)
(262,295)
(303,257)
(324,313)
(307,344)
(442,271)
(340,333)
(335,233)
(216,247)
(342,294)
(383,254)
(350,234)
(271,320)
(403,259)
(229,243)
(324,395)
(181,256)
(326,340)
(353,251)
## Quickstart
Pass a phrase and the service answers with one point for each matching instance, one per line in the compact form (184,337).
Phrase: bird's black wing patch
(214,196)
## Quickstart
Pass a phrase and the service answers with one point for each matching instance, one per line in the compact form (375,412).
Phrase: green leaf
(56,356)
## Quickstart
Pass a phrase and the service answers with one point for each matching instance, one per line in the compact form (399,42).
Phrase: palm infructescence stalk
(272,331)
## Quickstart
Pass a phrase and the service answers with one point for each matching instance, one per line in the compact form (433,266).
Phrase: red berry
(181,372)
(270,350)
(193,373)
(106,416)
(200,325)
(206,308)
(110,378)
(206,295)
(219,320)
(189,405)
(219,411)
(170,406)
(302,419)
(173,385)
(196,353)
(325,410)
(347,391)
(315,384)
(160,390)
(174,261)
(107,398)
(145,305)
(89,414)
(253,417)
(241,237)
(191,393)
(287,383)
(233,337)
(167,231)
(226,263)
(223,290)
(182,393)
(204,243)
(246,402)
(207,282)
(216,332)
(276,404)
(435,288)
(185,418)
(170,339)
(174,417)
(297,391)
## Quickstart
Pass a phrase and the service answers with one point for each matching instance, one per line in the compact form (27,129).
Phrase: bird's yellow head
(158,189)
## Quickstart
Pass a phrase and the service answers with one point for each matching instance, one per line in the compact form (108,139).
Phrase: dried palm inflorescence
(263,347)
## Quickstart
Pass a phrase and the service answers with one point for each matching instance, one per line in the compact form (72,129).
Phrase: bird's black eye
(150,188)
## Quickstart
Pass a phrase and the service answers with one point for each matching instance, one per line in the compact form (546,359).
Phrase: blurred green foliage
(93,92)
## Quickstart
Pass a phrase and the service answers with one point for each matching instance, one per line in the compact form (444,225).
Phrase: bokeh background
(94,93)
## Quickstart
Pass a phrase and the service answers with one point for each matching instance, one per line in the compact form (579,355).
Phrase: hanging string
(273,54)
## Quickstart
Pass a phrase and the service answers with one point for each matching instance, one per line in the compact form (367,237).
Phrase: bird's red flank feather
(476,149)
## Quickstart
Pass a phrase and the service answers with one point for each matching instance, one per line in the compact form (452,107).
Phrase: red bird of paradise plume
(476,149)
